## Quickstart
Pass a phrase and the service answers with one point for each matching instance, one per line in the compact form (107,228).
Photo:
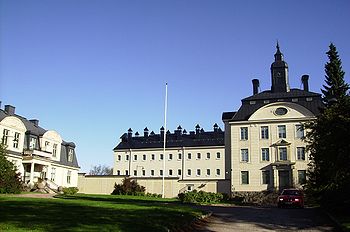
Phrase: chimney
(10,110)
(145,132)
(129,133)
(305,81)
(35,122)
(161,133)
(255,86)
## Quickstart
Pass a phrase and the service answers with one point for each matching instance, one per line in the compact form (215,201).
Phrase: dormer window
(54,150)
(16,140)
(5,136)
(252,102)
(309,99)
(70,155)
(32,143)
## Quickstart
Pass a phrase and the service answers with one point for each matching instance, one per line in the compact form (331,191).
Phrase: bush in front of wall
(201,197)
(128,187)
(70,190)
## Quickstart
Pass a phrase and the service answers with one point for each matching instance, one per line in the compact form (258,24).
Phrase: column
(31,179)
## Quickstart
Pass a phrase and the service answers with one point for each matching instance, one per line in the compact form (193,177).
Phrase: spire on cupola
(279,73)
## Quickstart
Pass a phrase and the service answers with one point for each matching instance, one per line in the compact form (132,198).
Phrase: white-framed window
(161,172)
(135,172)
(54,150)
(153,157)
(119,157)
(189,156)
(126,172)
(282,132)
(244,155)
(170,172)
(152,172)
(218,172)
(218,155)
(118,172)
(144,156)
(265,154)
(5,136)
(208,155)
(161,156)
(16,140)
(170,156)
(244,133)
(299,131)
(188,172)
(245,177)
(127,157)
(208,172)
(300,153)
(199,155)
(143,172)
(69,174)
(301,176)
(190,187)
(70,155)
(135,157)
(47,144)
(283,153)
(198,172)
(53,174)
(264,132)
(265,176)
(179,156)
(179,172)
(32,143)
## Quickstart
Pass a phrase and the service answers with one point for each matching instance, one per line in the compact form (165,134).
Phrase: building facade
(37,153)
(264,138)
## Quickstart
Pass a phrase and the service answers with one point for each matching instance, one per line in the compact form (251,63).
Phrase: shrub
(201,197)
(10,181)
(128,187)
(70,190)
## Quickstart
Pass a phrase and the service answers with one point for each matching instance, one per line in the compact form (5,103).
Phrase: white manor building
(262,147)
(36,152)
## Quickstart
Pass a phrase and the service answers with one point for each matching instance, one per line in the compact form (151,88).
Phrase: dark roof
(260,99)
(64,156)
(177,139)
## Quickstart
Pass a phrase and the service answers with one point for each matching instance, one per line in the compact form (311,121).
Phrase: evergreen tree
(335,87)
(10,181)
(328,138)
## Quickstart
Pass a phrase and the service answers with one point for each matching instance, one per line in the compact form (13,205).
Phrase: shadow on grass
(89,215)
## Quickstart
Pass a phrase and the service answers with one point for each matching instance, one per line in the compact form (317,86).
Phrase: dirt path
(35,195)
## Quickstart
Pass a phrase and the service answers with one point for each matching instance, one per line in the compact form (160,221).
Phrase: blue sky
(91,69)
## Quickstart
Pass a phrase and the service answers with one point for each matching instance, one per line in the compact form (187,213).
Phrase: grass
(93,213)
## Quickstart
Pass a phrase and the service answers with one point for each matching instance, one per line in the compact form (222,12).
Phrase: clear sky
(90,69)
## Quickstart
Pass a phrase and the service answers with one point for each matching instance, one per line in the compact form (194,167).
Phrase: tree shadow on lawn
(61,215)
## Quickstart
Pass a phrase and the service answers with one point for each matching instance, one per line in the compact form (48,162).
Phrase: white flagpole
(164,138)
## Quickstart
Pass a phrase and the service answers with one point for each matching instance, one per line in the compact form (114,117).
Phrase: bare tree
(101,170)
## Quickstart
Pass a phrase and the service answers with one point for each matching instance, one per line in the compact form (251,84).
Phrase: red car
(291,197)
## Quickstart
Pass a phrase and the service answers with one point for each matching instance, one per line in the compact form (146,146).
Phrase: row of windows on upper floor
(171,173)
(33,144)
(266,177)
(281,131)
(308,99)
(282,154)
(170,156)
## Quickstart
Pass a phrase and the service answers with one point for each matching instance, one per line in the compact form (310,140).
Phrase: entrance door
(284,179)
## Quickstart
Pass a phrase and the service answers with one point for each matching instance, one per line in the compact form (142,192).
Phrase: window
(161,172)
(69,174)
(127,157)
(119,157)
(179,156)
(282,134)
(144,157)
(265,154)
(208,172)
(135,157)
(252,102)
(208,155)
(302,176)
(190,187)
(300,153)
(16,140)
(170,172)
(161,157)
(189,156)
(245,177)
(179,172)
(5,136)
(143,172)
(188,172)
(282,153)
(47,144)
(266,101)
(32,143)
(54,150)
(170,156)
(309,99)
(266,177)
(264,132)
(152,172)
(294,99)
(198,155)
(126,172)
(153,157)
(53,174)
(299,131)
(135,172)
(198,172)
(218,172)
(218,155)
(244,133)
(118,172)
(244,155)
(70,155)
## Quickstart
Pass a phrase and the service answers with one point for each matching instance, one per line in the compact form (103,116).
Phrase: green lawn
(93,213)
